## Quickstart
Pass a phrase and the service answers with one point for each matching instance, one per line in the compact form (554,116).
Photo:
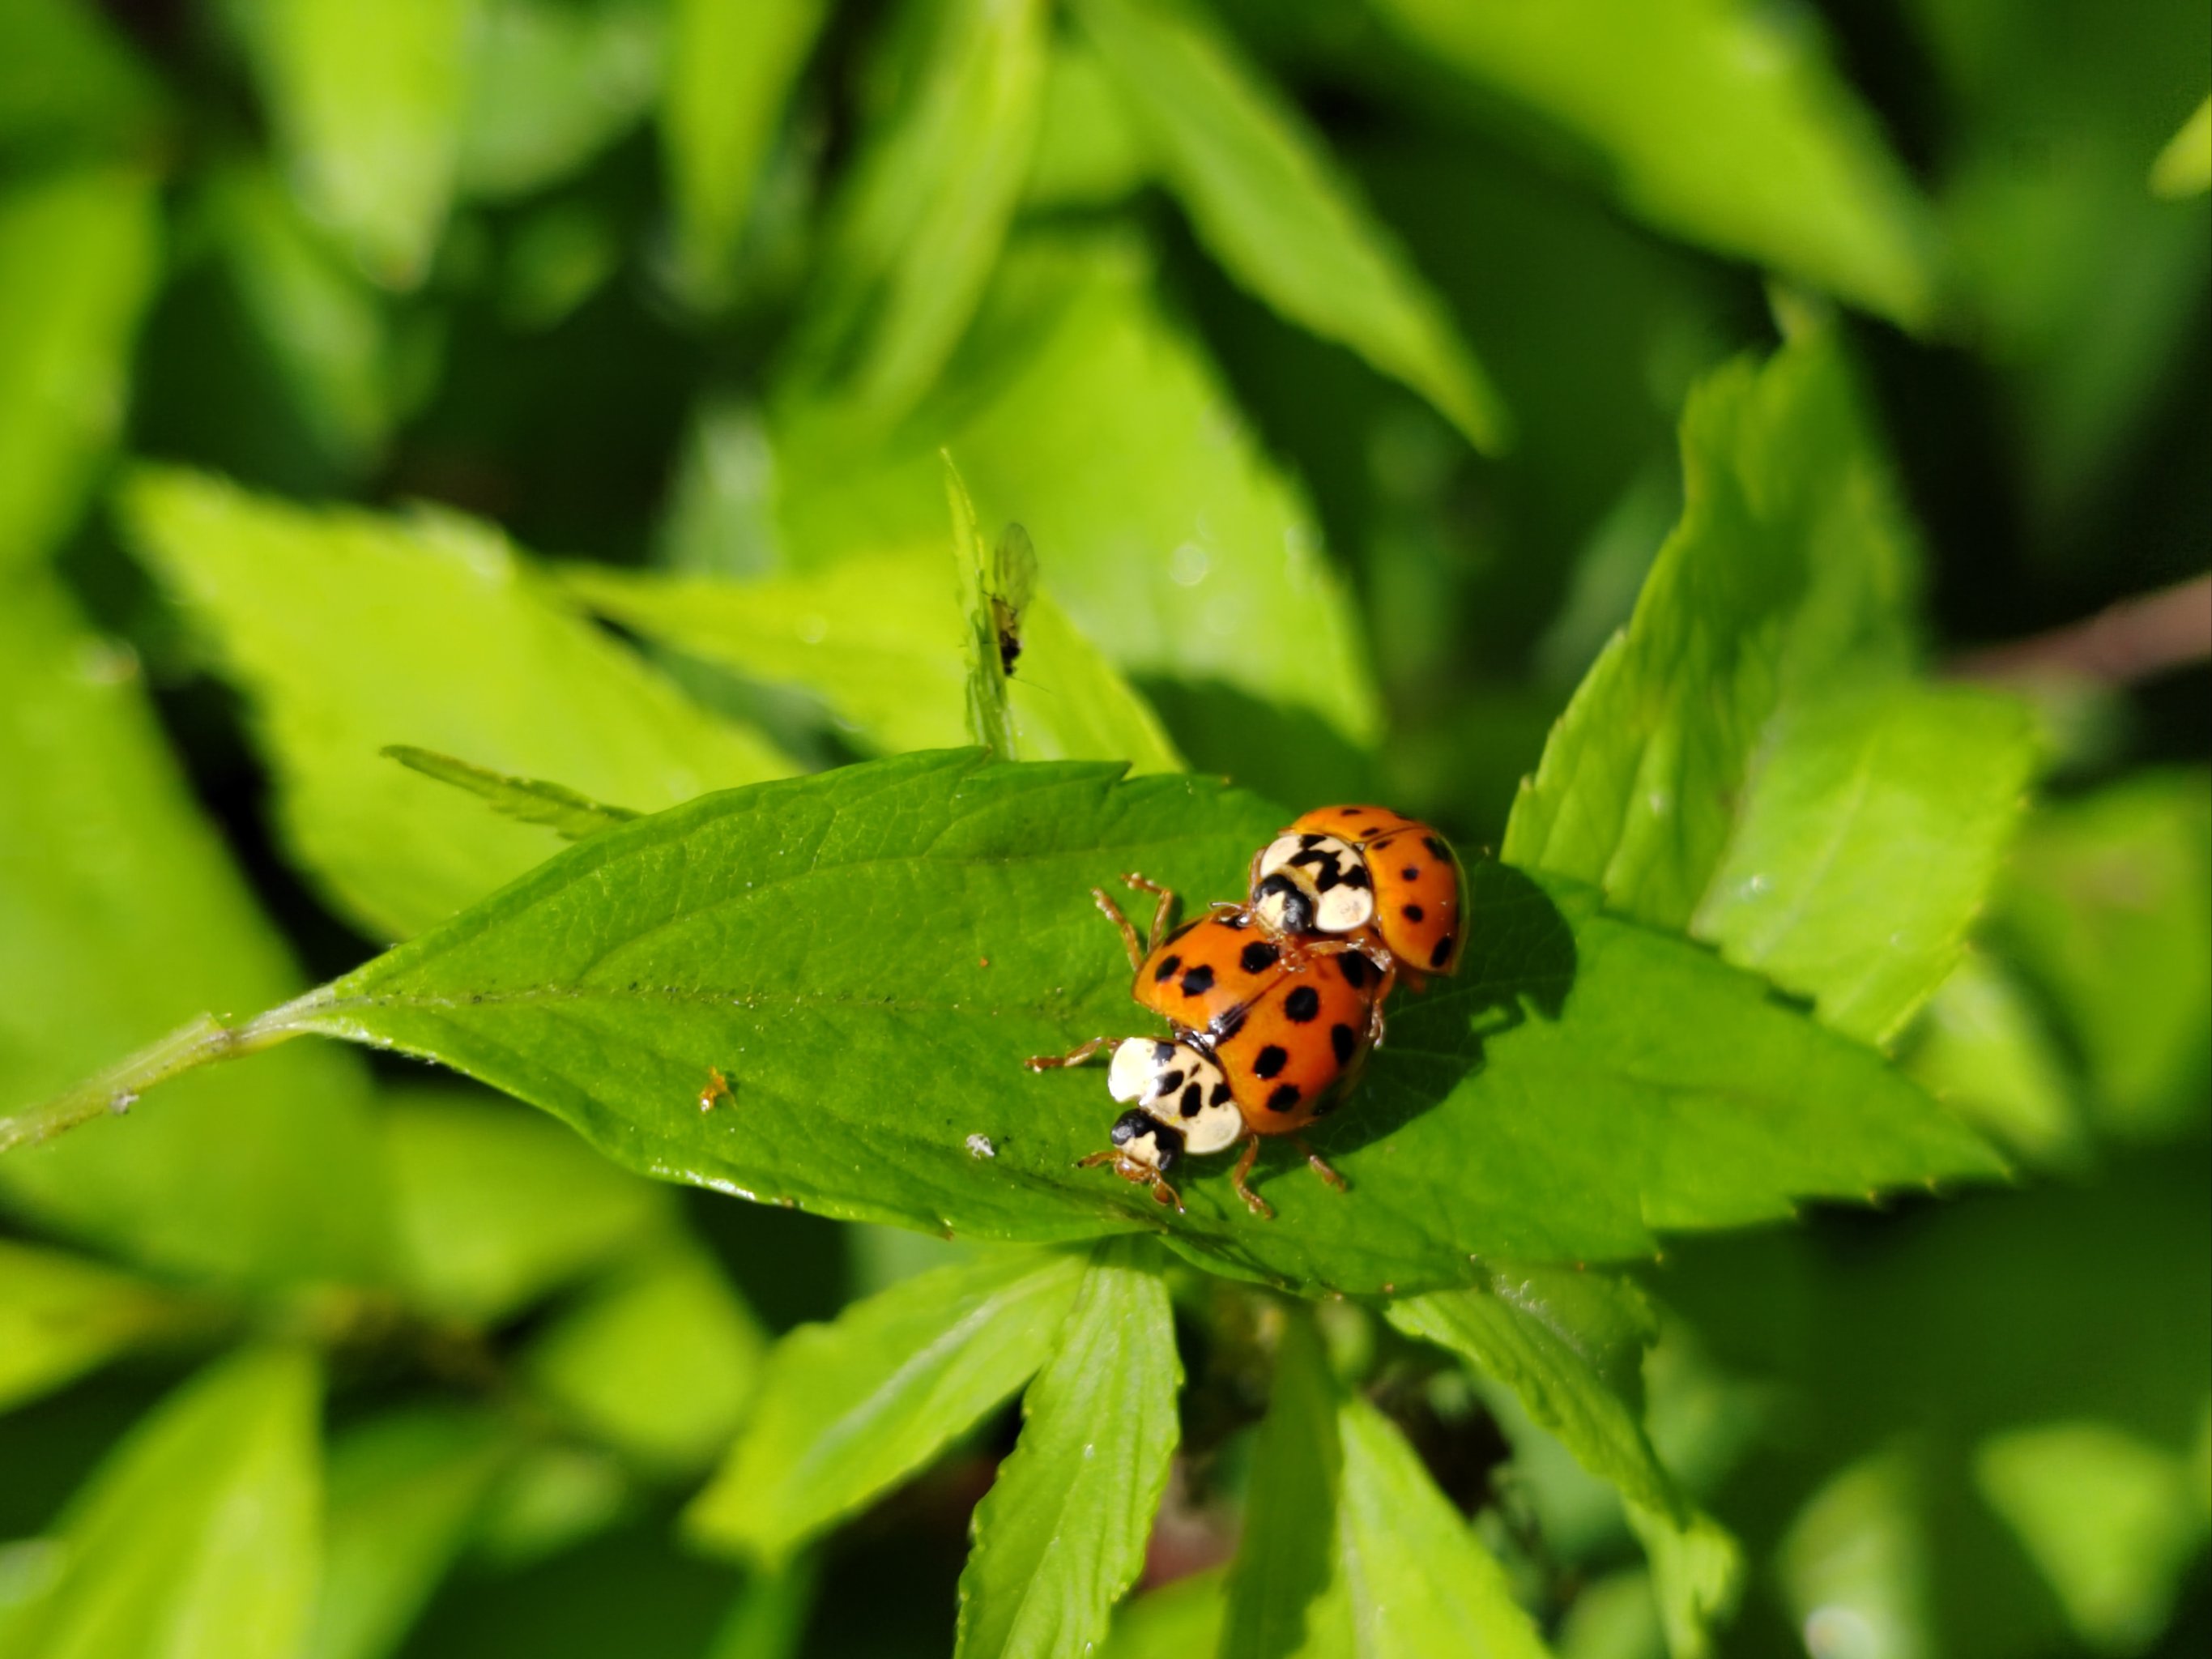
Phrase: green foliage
(1060,1535)
(61,1317)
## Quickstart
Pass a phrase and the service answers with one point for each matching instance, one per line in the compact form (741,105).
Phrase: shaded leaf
(529,800)
(1585,1084)
(848,1410)
(658,1361)
(1285,1557)
(1871,833)
(1791,562)
(1718,122)
(1269,202)
(61,1317)
(496,1206)
(68,81)
(916,240)
(1060,1535)
(1080,412)
(198,1537)
(124,916)
(550,85)
(405,1491)
(79,258)
(1088,153)
(309,610)
(768,1620)
(731,70)
(369,104)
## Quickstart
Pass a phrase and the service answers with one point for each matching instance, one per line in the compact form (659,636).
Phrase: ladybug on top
(1273,1002)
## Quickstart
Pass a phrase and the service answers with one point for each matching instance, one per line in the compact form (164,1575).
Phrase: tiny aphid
(717,1090)
(1014,584)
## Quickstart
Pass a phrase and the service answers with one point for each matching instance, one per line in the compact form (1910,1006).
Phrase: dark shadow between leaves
(1520,960)
(1285,754)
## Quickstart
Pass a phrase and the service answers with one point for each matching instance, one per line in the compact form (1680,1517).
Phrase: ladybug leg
(1252,1201)
(1321,1168)
(1112,912)
(1072,1057)
(1164,1193)
(1162,911)
(1389,983)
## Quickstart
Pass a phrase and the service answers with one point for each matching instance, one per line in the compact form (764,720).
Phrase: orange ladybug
(1261,1045)
(1389,884)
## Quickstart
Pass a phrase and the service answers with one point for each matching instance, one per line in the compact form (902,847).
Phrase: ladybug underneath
(1263,1042)
(1388,885)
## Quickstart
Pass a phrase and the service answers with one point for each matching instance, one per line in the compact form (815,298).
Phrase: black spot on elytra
(1166,969)
(1353,967)
(1411,873)
(1284,1097)
(1436,847)
(1258,956)
(1442,954)
(1270,1061)
(1198,982)
(1411,912)
(1228,1025)
(1345,1041)
(1303,1004)
(1193,1098)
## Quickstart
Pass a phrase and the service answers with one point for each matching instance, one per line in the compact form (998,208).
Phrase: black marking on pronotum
(1168,1082)
(1312,840)
(1166,969)
(1357,877)
(1353,967)
(1225,1026)
(1284,1097)
(1270,1061)
(1258,956)
(1436,847)
(1198,982)
(1411,912)
(1193,1098)
(1345,1041)
(1303,1004)
(1442,954)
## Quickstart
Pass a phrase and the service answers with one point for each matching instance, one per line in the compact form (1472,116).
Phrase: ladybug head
(1148,1146)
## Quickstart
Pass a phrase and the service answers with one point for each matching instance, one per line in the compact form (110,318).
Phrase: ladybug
(1390,884)
(1262,1044)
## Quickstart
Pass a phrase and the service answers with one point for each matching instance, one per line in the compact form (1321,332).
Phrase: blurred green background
(1333,355)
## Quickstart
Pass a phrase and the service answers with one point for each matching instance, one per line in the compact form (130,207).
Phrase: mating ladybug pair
(1274,1002)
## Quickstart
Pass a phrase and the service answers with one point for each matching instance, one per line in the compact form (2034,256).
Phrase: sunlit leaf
(2184,167)
(1269,202)
(405,1491)
(1869,837)
(1060,1535)
(528,800)
(61,1317)
(124,917)
(199,1536)
(1285,1556)
(658,1360)
(552,84)
(308,611)
(1791,562)
(1088,152)
(730,74)
(1720,122)
(1983,1048)
(848,1410)
(78,260)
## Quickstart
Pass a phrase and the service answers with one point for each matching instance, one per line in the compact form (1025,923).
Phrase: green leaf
(1791,564)
(917,236)
(1418,1582)
(768,1618)
(1584,1083)
(554,1498)
(1080,412)
(1285,1557)
(1060,1535)
(1269,201)
(79,258)
(310,610)
(990,717)
(124,917)
(1870,836)
(551,85)
(2107,910)
(368,105)
(61,1316)
(1180,1618)
(731,71)
(528,800)
(2107,1518)
(1717,121)
(1984,1049)
(68,81)
(1088,154)
(405,1489)
(848,1410)
(658,1361)
(198,1537)
(496,1206)
(2184,167)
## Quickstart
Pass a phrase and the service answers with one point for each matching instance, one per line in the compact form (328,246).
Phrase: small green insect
(1014,584)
